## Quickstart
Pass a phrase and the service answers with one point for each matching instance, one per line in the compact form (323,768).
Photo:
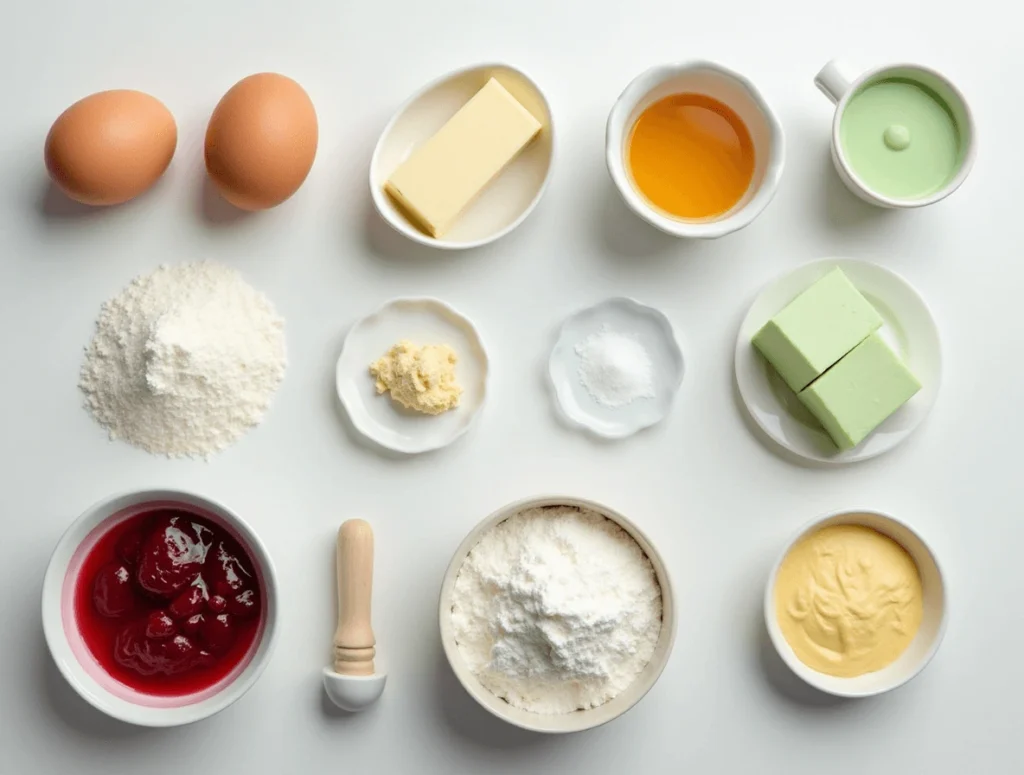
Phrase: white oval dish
(509,199)
(378,417)
(727,86)
(909,328)
(72,655)
(933,624)
(581,719)
(626,316)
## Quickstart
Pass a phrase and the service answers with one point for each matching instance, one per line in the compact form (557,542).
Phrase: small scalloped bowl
(378,417)
(508,199)
(727,86)
(579,720)
(929,636)
(70,652)
(655,333)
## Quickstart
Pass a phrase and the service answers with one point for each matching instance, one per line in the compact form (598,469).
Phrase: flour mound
(557,609)
(184,361)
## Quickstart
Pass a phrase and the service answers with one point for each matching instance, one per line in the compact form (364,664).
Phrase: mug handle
(834,80)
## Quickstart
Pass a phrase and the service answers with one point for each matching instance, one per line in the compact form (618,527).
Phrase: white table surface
(718,502)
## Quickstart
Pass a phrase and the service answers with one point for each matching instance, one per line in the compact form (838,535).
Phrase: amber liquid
(691,156)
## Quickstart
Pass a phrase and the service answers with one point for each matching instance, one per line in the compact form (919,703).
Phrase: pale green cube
(816,329)
(857,394)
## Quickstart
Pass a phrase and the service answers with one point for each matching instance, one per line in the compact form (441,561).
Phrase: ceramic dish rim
(494,705)
(843,457)
(615,129)
(408,230)
(966,164)
(62,653)
(468,326)
(815,678)
(679,361)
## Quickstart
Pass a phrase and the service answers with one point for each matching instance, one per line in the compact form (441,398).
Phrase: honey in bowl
(691,156)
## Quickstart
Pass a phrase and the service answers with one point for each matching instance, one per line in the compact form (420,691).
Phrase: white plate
(506,202)
(624,316)
(908,327)
(378,417)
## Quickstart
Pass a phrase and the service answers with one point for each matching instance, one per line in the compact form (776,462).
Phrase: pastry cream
(419,378)
(848,600)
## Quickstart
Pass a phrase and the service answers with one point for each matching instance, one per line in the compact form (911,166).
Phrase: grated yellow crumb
(419,378)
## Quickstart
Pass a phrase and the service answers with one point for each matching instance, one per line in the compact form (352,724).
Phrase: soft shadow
(767,441)
(76,713)
(467,720)
(214,209)
(565,423)
(626,235)
(54,204)
(784,681)
(387,244)
(351,432)
(842,209)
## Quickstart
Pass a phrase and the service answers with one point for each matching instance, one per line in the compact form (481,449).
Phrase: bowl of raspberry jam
(159,607)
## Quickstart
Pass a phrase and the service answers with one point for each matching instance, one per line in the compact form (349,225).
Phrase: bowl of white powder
(557,614)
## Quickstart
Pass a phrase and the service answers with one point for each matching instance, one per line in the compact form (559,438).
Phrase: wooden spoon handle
(354,641)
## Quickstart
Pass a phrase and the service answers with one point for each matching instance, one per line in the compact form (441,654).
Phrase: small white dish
(933,624)
(509,199)
(378,417)
(70,652)
(725,85)
(624,316)
(579,720)
(909,329)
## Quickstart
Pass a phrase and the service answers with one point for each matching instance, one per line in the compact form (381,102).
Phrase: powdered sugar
(556,609)
(615,368)
(184,361)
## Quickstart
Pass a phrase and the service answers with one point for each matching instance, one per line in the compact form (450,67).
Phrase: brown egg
(261,141)
(111,146)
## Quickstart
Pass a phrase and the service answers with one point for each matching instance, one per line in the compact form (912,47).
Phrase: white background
(717,501)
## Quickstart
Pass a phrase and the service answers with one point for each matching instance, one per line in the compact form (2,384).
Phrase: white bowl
(72,655)
(625,316)
(581,719)
(378,417)
(724,85)
(933,625)
(509,199)
(909,329)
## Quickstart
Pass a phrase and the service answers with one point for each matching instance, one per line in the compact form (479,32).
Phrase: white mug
(726,86)
(837,81)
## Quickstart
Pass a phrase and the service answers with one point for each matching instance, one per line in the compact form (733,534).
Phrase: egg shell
(261,141)
(110,146)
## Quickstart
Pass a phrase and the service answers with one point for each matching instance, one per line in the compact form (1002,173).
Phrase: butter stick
(445,174)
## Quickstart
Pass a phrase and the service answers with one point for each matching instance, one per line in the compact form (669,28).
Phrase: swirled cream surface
(848,600)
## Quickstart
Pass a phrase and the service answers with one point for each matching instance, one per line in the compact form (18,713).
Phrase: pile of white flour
(557,609)
(184,361)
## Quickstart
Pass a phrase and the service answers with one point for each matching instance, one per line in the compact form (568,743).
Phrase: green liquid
(900,139)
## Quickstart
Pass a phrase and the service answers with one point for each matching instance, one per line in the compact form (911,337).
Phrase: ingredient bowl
(579,720)
(929,635)
(726,86)
(216,687)
(509,198)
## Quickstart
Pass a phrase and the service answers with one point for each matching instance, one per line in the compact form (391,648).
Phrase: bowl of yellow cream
(856,604)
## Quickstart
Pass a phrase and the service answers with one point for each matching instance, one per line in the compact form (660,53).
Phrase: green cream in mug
(900,139)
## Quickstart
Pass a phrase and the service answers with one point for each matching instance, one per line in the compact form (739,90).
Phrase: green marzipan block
(857,394)
(816,329)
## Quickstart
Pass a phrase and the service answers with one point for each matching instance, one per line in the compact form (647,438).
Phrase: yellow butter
(441,177)
(419,378)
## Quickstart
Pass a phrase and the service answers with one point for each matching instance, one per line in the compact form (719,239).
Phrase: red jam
(168,603)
